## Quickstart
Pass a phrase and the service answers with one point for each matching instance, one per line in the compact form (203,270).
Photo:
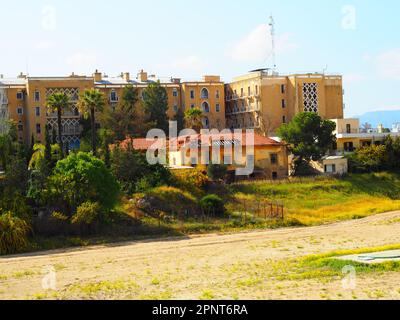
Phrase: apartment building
(25,100)
(350,136)
(264,100)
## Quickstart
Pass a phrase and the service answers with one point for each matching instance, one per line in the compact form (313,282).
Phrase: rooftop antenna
(272,29)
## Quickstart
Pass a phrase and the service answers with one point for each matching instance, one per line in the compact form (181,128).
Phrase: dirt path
(211,266)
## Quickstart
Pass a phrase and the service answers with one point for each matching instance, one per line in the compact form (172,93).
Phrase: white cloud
(82,62)
(257,45)
(388,64)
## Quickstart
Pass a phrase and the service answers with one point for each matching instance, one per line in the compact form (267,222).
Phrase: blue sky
(358,39)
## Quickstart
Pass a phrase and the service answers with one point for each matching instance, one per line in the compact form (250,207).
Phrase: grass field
(312,201)
(307,202)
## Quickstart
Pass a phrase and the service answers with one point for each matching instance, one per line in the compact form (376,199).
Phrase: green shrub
(86,213)
(82,177)
(217,171)
(13,233)
(192,180)
(170,200)
(212,205)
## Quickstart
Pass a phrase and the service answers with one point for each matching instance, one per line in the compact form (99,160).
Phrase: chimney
(126,76)
(22,76)
(142,76)
(97,76)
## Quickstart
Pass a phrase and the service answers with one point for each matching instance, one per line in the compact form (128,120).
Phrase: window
(284,119)
(192,106)
(283,88)
(20,95)
(20,126)
(283,104)
(20,111)
(330,168)
(348,128)
(38,128)
(274,175)
(113,96)
(204,93)
(205,107)
(191,94)
(217,94)
(217,107)
(227,159)
(206,123)
(249,91)
(348,147)
(241,92)
(175,93)
(256,89)
(274,158)
(175,108)
(37,111)
(37,96)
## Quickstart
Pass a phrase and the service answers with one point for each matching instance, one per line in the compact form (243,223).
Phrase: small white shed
(335,165)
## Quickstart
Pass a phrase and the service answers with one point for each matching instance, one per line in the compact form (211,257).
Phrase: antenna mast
(272,28)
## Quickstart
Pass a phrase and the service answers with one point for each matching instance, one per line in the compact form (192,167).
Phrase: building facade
(263,100)
(25,100)
(350,136)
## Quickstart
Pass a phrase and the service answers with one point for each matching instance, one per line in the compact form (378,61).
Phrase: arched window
(206,107)
(204,93)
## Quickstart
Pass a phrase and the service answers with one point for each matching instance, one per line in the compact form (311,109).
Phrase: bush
(217,171)
(368,159)
(193,180)
(169,200)
(212,205)
(86,213)
(134,173)
(13,233)
(82,177)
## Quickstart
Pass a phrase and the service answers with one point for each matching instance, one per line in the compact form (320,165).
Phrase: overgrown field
(312,201)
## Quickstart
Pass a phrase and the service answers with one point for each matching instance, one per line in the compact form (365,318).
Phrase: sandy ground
(234,266)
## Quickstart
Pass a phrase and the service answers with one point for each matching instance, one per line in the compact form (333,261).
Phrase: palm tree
(193,119)
(59,102)
(90,102)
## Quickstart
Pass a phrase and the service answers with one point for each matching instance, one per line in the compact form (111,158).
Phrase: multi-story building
(263,100)
(26,97)
(351,137)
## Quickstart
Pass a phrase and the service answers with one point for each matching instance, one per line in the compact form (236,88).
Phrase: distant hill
(387,118)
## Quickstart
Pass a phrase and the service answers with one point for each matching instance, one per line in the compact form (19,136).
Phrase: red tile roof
(144,144)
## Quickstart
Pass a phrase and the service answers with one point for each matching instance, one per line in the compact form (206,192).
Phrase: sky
(358,39)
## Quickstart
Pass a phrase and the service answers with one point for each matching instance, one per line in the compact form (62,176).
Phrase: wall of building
(276,99)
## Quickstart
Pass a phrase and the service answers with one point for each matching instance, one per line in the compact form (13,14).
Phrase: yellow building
(25,99)
(351,137)
(266,156)
(263,100)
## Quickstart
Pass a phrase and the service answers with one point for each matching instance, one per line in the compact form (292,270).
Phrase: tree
(217,171)
(368,159)
(47,151)
(82,177)
(156,105)
(180,120)
(309,136)
(131,167)
(393,152)
(91,101)
(122,120)
(59,102)
(193,119)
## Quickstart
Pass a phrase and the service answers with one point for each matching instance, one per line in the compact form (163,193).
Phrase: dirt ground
(233,266)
